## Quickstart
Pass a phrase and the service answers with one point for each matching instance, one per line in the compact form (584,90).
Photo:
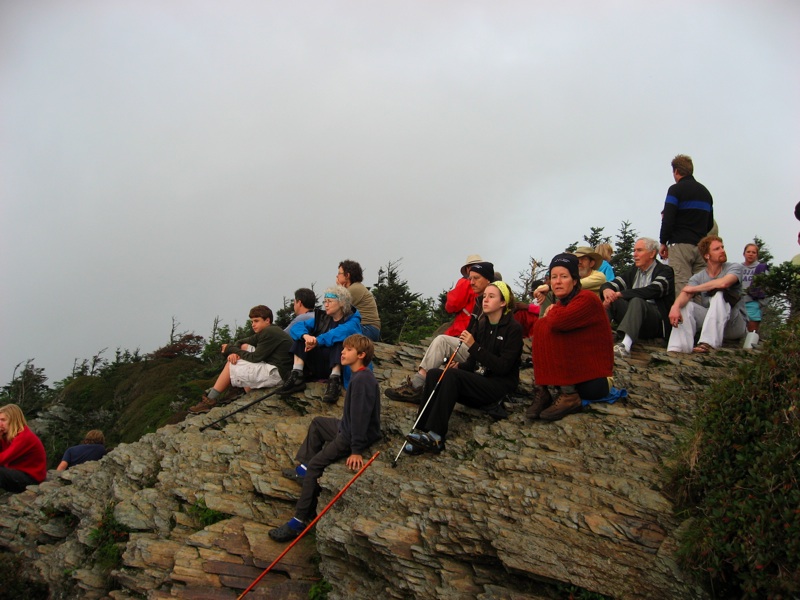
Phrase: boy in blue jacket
(330,439)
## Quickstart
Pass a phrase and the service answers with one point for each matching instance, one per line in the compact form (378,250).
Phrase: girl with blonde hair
(23,461)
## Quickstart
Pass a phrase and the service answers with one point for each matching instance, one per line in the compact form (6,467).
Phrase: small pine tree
(622,259)
(596,237)
(284,315)
(27,388)
(572,247)
(764,253)
(395,300)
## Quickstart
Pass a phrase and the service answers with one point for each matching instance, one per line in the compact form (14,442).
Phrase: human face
(751,254)
(585,266)
(333,307)
(641,257)
(350,356)
(493,302)
(258,324)
(3,423)
(561,282)
(716,253)
(342,278)
(477,282)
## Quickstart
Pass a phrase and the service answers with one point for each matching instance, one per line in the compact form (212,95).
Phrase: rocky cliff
(510,509)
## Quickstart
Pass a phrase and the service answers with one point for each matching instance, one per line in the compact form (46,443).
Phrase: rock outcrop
(508,510)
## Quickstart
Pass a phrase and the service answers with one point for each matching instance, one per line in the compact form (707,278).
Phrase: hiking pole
(308,527)
(436,387)
(240,409)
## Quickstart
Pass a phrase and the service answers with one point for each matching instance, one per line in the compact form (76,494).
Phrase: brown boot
(541,400)
(564,404)
(205,405)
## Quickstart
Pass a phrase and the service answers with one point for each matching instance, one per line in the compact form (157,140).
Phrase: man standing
(640,298)
(480,275)
(688,216)
(718,309)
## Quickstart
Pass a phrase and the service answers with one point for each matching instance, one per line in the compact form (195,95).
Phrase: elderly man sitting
(639,299)
(718,309)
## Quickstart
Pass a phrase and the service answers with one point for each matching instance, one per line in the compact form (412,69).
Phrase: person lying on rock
(261,360)
(23,461)
(490,372)
(93,447)
(479,274)
(572,346)
(330,439)
(317,344)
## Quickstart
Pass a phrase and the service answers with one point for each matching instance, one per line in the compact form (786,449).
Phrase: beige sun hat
(587,251)
(471,260)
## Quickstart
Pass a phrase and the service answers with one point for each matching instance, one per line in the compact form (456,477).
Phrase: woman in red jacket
(22,458)
(572,346)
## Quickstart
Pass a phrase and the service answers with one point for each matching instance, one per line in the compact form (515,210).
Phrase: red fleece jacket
(24,453)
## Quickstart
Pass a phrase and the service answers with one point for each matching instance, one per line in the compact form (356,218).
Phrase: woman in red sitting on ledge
(23,461)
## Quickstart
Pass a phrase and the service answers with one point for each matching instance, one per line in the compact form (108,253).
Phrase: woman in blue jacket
(318,341)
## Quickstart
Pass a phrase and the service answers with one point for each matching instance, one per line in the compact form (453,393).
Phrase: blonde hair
(605,250)
(16,420)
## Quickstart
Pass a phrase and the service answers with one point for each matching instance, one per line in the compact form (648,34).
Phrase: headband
(503,287)
(332,296)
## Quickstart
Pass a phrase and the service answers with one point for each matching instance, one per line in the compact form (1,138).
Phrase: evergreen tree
(622,259)
(572,247)
(27,388)
(596,237)
(764,253)
(395,301)
(285,314)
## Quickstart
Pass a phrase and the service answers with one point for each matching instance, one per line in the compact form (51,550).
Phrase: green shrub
(203,515)
(320,590)
(108,537)
(15,584)
(738,477)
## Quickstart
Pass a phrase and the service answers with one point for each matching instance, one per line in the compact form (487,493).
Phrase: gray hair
(649,244)
(343,295)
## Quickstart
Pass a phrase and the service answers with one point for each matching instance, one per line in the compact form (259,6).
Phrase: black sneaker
(284,533)
(497,411)
(333,390)
(426,441)
(294,383)
(291,473)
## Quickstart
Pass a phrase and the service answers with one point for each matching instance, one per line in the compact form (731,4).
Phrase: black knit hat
(486,269)
(568,261)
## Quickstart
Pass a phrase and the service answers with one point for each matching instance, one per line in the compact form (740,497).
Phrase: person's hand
(547,310)
(355,462)
(663,251)
(466,337)
(311,342)
(675,316)
(540,292)
(610,296)
(233,358)
(223,348)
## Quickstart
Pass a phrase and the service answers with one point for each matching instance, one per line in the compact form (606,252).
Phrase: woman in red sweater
(572,346)
(22,458)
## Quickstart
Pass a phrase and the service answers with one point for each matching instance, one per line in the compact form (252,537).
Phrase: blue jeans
(371,332)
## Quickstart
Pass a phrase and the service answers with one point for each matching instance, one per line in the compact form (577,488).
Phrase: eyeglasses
(329,300)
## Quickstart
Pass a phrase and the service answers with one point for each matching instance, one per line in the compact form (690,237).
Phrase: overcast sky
(193,159)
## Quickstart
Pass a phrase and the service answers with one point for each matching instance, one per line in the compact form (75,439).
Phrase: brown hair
(683,165)
(95,436)
(361,343)
(16,420)
(262,312)
(605,250)
(704,244)
(746,246)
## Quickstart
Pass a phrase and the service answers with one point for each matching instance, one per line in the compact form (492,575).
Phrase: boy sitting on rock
(329,439)
(258,361)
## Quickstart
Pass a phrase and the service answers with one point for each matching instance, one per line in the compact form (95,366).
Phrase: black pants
(636,317)
(594,389)
(15,481)
(323,446)
(465,387)
(320,360)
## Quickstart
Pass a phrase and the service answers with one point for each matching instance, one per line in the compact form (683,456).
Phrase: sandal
(426,442)
(702,348)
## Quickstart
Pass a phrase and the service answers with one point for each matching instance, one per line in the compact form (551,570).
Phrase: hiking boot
(205,405)
(497,411)
(294,383)
(429,442)
(287,532)
(564,404)
(333,390)
(541,400)
(405,393)
(291,473)
(620,351)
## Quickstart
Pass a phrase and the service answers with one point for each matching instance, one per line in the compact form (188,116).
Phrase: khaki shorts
(254,375)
